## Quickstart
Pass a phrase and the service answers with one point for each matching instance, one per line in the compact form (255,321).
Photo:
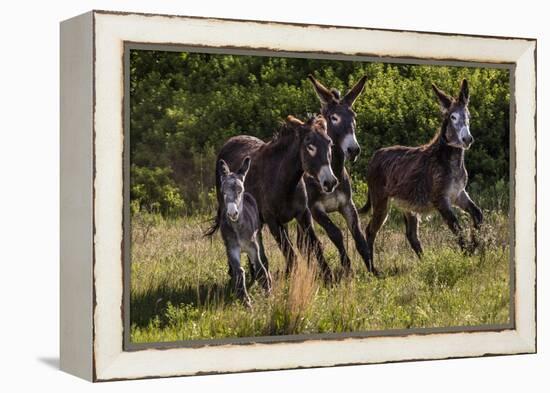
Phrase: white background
(29,196)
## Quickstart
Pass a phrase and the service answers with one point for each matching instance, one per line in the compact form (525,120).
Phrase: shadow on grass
(146,306)
(391,270)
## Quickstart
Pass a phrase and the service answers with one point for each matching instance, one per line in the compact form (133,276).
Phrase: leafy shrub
(154,190)
(184,106)
(445,269)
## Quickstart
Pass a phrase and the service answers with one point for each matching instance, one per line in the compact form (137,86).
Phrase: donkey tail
(365,209)
(216,221)
(214,226)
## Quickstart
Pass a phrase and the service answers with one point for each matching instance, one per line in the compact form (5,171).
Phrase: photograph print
(277,197)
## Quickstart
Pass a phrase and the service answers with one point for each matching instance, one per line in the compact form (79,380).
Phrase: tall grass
(291,305)
(180,287)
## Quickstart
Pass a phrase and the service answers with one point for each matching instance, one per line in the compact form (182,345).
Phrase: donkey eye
(334,118)
(454,117)
(312,150)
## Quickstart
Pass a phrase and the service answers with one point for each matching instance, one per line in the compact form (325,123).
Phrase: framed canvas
(317,141)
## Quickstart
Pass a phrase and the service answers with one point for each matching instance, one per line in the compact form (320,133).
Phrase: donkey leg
(280,233)
(253,252)
(306,223)
(334,234)
(452,222)
(301,240)
(263,275)
(411,224)
(352,219)
(379,215)
(465,203)
(252,268)
(234,257)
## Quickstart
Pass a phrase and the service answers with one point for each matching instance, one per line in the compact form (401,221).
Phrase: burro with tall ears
(239,225)
(425,178)
(340,117)
(275,181)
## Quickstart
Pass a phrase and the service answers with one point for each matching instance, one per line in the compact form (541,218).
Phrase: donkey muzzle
(353,152)
(350,147)
(232,211)
(467,141)
(329,186)
(465,137)
(327,179)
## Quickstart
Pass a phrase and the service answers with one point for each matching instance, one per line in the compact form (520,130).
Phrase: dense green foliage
(184,106)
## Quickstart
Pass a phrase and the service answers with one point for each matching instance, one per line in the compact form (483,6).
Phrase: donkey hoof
(328,277)
(347,272)
(266,284)
(266,279)
(247,302)
(345,262)
(470,250)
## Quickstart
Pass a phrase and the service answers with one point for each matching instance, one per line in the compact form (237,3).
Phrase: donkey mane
(284,132)
(439,137)
(287,131)
(437,142)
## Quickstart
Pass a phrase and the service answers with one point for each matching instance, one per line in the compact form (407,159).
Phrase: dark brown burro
(425,178)
(275,181)
(340,117)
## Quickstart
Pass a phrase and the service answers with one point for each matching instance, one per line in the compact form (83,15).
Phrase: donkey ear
(224,169)
(320,124)
(324,94)
(294,121)
(444,100)
(354,92)
(464,96)
(245,166)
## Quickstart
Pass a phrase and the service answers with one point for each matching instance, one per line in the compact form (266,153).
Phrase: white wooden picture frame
(92,181)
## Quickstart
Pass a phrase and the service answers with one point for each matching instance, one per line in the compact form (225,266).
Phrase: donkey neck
(337,162)
(338,156)
(285,153)
(445,152)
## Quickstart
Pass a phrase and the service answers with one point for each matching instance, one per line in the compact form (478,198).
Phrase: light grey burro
(239,227)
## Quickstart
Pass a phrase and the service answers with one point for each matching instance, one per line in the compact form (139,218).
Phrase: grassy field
(180,286)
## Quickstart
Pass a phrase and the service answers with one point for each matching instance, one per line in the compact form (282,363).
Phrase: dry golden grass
(292,299)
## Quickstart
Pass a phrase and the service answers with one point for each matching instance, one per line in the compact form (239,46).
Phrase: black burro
(340,118)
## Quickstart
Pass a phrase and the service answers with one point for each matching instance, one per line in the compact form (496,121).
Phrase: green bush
(154,190)
(184,106)
(445,269)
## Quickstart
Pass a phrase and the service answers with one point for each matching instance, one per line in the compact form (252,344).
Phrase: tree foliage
(184,106)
